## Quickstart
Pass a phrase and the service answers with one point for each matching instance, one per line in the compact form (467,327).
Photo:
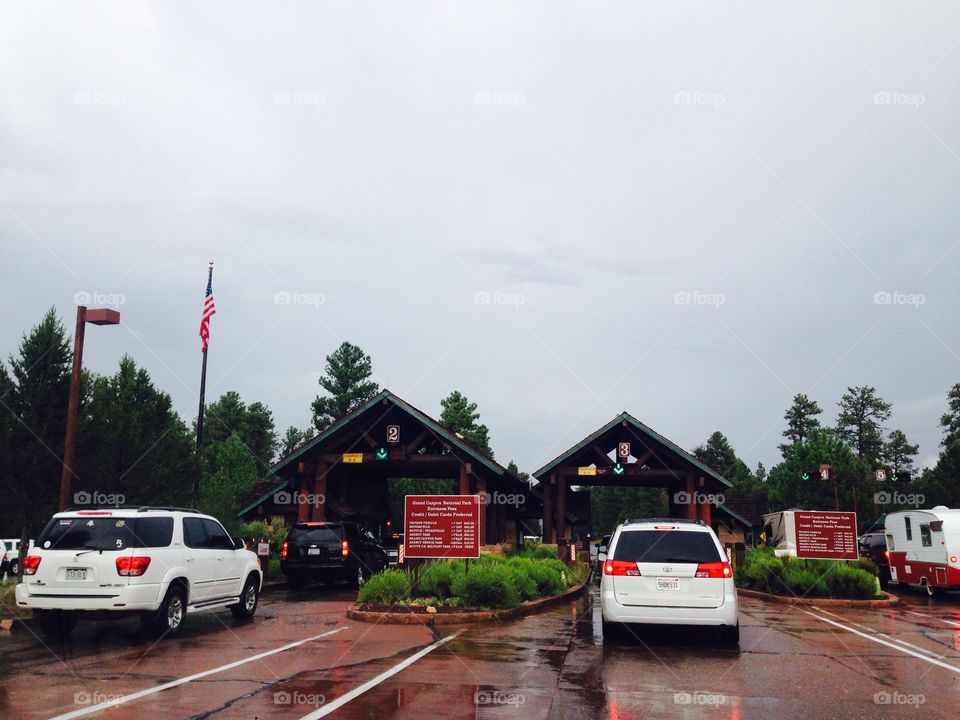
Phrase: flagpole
(203,391)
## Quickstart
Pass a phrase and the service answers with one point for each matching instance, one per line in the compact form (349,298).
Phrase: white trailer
(923,547)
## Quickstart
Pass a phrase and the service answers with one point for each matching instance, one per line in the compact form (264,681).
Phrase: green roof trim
(410,409)
(734,515)
(649,432)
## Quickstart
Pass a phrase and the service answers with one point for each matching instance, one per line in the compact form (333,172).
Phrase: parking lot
(302,657)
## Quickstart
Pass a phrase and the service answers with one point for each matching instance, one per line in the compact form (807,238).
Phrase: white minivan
(158,563)
(668,572)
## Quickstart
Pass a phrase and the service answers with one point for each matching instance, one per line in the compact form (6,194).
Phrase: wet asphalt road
(842,663)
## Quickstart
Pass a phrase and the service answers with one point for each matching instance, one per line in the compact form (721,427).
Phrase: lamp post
(95,316)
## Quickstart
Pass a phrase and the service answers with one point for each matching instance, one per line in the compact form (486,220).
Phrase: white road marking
(934,617)
(875,639)
(881,634)
(189,678)
(370,684)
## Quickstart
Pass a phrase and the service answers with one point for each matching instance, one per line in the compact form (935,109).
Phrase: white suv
(668,572)
(160,563)
(10,556)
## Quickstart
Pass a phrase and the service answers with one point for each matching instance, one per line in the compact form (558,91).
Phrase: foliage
(33,399)
(898,453)
(611,505)
(801,418)
(543,552)
(438,578)
(130,442)
(859,422)
(460,416)
(385,588)
(764,571)
(252,424)
(274,532)
(222,492)
(488,585)
(292,439)
(347,381)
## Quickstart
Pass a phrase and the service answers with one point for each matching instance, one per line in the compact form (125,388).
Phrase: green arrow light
(618,469)
(805,476)
(382,454)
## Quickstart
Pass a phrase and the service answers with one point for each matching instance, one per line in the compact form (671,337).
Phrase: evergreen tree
(862,414)
(898,453)
(347,380)
(801,418)
(460,416)
(223,492)
(252,424)
(292,439)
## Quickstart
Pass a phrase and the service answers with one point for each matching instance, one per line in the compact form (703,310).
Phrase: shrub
(385,588)
(522,579)
(549,581)
(488,585)
(437,579)
(763,571)
(542,552)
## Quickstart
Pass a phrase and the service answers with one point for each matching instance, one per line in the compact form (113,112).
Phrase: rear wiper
(90,550)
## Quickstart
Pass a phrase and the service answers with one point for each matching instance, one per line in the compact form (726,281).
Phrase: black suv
(335,550)
(873,544)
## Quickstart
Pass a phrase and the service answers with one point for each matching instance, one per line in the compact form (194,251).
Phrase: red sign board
(441,526)
(826,535)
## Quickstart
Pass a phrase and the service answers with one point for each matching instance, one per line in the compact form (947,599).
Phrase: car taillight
(132,566)
(345,548)
(30,564)
(887,554)
(620,567)
(283,550)
(714,570)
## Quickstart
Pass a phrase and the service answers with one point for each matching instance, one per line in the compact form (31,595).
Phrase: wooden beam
(561,507)
(416,443)
(602,455)
(547,512)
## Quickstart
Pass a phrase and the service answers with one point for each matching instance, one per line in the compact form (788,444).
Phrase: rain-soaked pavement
(792,663)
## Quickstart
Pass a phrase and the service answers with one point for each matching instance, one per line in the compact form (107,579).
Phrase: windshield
(106,533)
(656,546)
(321,534)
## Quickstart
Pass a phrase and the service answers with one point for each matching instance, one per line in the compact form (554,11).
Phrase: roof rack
(167,508)
(684,521)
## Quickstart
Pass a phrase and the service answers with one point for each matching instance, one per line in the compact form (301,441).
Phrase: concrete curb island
(462,618)
(887,600)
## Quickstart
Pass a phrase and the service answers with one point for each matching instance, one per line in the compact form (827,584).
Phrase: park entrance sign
(826,535)
(441,526)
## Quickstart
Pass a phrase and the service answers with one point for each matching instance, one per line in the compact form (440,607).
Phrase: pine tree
(801,418)
(347,380)
(862,414)
(460,416)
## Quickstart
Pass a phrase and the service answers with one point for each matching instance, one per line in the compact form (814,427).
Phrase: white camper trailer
(781,532)
(924,548)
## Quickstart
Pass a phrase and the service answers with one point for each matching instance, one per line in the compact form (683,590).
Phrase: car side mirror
(238,544)
(602,557)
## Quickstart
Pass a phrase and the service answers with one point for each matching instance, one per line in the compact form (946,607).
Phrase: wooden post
(691,505)
(482,491)
(547,511)
(561,507)
(318,508)
(705,514)
(303,510)
(464,480)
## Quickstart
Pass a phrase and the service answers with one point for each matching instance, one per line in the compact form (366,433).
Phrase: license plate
(313,551)
(668,583)
(76,574)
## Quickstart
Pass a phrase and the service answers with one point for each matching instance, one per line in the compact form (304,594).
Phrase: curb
(462,618)
(887,600)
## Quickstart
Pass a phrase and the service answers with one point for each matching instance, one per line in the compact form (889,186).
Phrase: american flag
(209,309)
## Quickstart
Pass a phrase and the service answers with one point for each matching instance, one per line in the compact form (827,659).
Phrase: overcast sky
(690,211)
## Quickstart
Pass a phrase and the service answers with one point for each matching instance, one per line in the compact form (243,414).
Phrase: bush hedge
(490,582)
(764,571)
(385,588)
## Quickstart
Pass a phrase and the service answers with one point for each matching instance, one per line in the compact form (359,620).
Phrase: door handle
(188,558)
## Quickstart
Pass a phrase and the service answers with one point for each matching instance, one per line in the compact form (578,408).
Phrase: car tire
(168,620)
(884,577)
(730,634)
(249,599)
(14,567)
(611,630)
(55,624)
(360,576)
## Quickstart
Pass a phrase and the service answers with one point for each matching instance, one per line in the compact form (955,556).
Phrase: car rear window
(106,533)
(677,546)
(318,534)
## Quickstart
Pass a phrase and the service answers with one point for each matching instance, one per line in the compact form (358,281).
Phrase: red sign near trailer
(826,535)
(441,526)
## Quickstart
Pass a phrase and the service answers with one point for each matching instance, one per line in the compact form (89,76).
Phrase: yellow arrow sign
(586,471)
(353,457)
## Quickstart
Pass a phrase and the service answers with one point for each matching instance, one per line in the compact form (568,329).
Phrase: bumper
(316,570)
(137,598)
(613,611)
